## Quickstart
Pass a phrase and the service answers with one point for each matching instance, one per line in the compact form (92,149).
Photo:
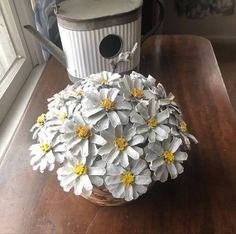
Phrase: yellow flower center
(137,92)
(168,156)
(40,119)
(107,103)
(103,81)
(80,169)
(45,147)
(79,93)
(152,122)
(127,178)
(82,131)
(183,127)
(121,143)
(62,116)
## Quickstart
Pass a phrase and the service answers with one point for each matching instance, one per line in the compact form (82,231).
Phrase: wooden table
(202,200)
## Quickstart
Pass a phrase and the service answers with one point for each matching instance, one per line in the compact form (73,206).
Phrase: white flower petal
(118,191)
(181,156)
(142,129)
(123,159)
(163,115)
(64,171)
(136,118)
(172,170)
(142,110)
(78,186)
(114,118)
(93,111)
(50,157)
(179,167)
(96,139)
(132,153)
(96,171)
(87,184)
(84,147)
(102,124)
(157,163)
(112,94)
(122,105)
(124,117)
(129,193)
(161,133)
(143,180)
(112,180)
(152,137)
(138,139)
(138,166)
(112,156)
(140,189)
(68,179)
(114,170)
(96,180)
(175,144)
(107,148)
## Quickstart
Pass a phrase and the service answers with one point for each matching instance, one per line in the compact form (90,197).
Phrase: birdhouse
(94,33)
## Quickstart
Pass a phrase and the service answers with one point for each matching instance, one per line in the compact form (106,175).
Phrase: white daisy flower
(169,103)
(121,145)
(46,152)
(105,107)
(56,118)
(104,78)
(148,82)
(165,158)
(78,174)
(129,182)
(58,99)
(180,129)
(38,126)
(133,89)
(79,136)
(150,122)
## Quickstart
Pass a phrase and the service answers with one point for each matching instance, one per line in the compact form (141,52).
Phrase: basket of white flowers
(112,136)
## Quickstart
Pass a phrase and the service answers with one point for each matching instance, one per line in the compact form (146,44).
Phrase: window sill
(14,115)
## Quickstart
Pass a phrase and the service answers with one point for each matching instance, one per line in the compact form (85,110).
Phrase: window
(16,62)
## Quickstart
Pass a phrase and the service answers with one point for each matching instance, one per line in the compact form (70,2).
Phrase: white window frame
(16,14)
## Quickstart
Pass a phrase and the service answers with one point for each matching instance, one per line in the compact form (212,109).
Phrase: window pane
(7,51)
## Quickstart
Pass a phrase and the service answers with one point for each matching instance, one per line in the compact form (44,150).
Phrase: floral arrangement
(119,132)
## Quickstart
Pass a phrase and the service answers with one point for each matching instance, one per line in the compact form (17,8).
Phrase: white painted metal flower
(134,90)
(39,125)
(180,129)
(128,182)
(121,145)
(105,78)
(148,82)
(77,174)
(106,107)
(46,152)
(150,121)
(79,136)
(165,158)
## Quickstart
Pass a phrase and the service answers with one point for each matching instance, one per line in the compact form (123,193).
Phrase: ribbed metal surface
(82,48)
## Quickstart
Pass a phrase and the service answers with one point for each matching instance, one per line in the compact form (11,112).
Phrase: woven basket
(102,197)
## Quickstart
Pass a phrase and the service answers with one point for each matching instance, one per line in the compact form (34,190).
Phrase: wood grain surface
(201,200)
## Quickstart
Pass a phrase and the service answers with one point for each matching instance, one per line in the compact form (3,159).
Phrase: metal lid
(80,10)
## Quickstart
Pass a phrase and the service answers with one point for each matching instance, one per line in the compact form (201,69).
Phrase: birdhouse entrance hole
(110,46)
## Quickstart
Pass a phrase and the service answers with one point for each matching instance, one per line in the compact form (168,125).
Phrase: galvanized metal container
(95,32)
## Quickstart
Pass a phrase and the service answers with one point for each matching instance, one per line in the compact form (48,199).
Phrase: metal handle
(157,24)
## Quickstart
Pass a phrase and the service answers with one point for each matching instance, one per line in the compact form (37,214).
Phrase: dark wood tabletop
(201,200)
